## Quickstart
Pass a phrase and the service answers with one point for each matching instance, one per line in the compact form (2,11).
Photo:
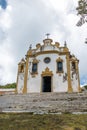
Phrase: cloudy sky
(25,22)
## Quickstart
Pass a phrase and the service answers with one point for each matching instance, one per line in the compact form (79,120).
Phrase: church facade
(48,68)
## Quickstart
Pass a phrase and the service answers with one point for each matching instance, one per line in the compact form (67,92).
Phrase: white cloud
(7,63)
(5,20)
(26,22)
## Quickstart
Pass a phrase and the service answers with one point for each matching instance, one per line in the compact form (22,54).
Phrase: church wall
(61,85)
(20,83)
(74,80)
(34,83)
(75,84)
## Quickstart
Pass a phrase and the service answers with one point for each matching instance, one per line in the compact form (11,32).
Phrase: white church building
(48,68)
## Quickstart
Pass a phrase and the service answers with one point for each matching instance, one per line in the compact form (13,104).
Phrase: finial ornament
(65,44)
(30,47)
(47,35)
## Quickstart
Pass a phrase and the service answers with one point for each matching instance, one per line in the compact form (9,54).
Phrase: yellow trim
(59,72)
(35,60)
(47,72)
(21,68)
(29,53)
(73,58)
(59,59)
(38,46)
(68,74)
(25,76)
(57,44)
(77,71)
(73,69)
(65,49)
(34,73)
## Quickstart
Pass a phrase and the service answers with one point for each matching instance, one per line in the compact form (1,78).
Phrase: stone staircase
(40,103)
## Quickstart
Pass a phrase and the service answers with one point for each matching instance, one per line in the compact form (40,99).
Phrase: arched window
(60,66)
(21,68)
(59,62)
(73,66)
(34,68)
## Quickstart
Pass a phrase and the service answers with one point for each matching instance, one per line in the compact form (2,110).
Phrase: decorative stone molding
(59,59)
(47,41)
(47,72)
(38,46)
(35,60)
(65,49)
(57,44)
(21,66)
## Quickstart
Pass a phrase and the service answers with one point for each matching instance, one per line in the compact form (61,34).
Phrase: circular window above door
(47,60)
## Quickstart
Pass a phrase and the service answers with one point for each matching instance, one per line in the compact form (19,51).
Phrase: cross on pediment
(47,35)
(30,47)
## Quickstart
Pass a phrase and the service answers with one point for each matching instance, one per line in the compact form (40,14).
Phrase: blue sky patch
(83,80)
(3,4)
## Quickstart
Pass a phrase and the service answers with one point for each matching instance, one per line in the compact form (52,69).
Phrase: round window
(47,60)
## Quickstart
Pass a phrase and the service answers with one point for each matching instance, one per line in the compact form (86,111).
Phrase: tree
(82,11)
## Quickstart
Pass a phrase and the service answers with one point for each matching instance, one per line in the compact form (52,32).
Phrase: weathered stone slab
(44,103)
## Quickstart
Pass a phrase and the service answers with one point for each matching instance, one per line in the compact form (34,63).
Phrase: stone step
(44,102)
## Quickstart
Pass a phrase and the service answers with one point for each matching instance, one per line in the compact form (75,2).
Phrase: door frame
(45,73)
(50,83)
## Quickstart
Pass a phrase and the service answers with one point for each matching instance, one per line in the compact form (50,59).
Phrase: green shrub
(12,85)
(85,86)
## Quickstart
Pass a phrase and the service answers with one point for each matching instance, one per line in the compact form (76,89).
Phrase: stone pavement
(40,103)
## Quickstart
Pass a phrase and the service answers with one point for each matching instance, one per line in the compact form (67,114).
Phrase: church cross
(30,47)
(47,35)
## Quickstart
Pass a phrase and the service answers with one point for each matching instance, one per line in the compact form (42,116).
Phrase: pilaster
(77,71)
(25,76)
(16,91)
(70,90)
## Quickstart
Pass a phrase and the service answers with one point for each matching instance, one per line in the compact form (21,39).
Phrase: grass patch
(27,121)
